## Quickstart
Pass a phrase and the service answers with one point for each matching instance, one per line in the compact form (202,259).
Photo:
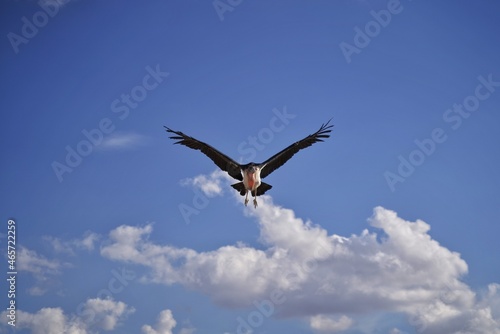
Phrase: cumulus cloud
(329,324)
(43,270)
(396,268)
(210,185)
(46,320)
(30,261)
(164,324)
(396,331)
(86,242)
(107,314)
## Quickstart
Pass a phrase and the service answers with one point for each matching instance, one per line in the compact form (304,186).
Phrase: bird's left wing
(279,159)
(220,159)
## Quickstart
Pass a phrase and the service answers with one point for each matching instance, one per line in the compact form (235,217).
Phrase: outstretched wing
(220,159)
(279,159)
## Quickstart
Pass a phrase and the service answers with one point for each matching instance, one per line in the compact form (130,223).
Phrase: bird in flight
(250,175)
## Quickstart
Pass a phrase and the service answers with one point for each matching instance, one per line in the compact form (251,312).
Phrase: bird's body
(251,181)
(251,174)
(251,178)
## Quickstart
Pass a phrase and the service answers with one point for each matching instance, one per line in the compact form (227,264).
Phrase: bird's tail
(240,188)
(261,190)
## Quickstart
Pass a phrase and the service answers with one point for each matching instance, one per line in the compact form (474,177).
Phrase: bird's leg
(255,199)
(246,199)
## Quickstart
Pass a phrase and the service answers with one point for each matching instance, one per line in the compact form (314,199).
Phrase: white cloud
(46,270)
(107,314)
(42,269)
(398,268)
(37,291)
(123,141)
(210,185)
(396,331)
(46,320)
(31,261)
(164,324)
(86,242)
(329,324)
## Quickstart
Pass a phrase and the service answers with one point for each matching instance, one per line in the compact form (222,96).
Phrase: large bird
(251,174)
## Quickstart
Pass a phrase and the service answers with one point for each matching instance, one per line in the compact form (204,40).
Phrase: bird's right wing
(279,159)
(220,159)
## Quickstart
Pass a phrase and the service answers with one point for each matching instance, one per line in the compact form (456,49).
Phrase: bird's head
(252,169)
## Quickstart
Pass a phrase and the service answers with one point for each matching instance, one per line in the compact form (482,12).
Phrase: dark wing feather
(279,159)
(220,159)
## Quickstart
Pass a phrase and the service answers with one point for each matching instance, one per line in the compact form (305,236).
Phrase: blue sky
(389,226)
